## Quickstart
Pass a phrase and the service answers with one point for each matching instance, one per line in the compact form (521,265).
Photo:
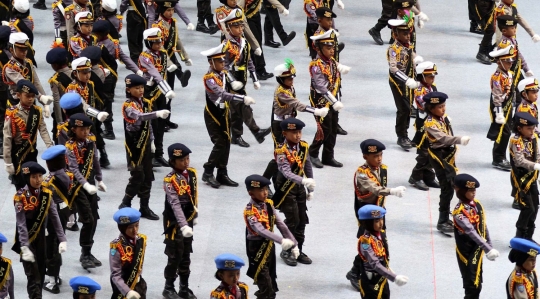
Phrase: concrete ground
(417,249)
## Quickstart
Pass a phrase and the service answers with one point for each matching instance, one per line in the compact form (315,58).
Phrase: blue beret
(91,52)
(57,55)
(466,181)
(80,120)
(70,100)
(101,26)
(371,212)
(5,31)
(84,285)
(178,151)
(525,119)
(32,167)
(53,152)
(371,146)
(127,216)
(26,86)
(435,97)
(292,123)
(526,246)
(228,261)
(3,238)
(134,80)
(256,181)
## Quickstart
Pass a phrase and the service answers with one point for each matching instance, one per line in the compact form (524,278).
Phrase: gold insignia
(333,35)
(535,81)
(405,4)
(158,34)
(177,152)
(128,81)
(509,22)
(376,213)
(327,14)
(470,185)
(238,13)
(523,121)
(435,67)
(532,252)
(88,63)
(291,126)
(230,264)
(372,149)
(124,220)
(434,101)
(255,184)
(79,123)
(511,52)
(167,4)
(83,290)
(292,69)
(26,170)
(89,16)
(25,89)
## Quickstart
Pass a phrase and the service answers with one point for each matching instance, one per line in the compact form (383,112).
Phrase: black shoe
(420,185)
(304,259)
(332,162)
(147,213)
(376,35)
(476,28)
(405,143)
(445,227)
(184,79)
(483,58)
(433,184)
(162,161)
(73,228)
(264,75)
(515,205)
(201,27)
(96,262)
(86,262)
(289,38)
(108,135)
(316,162)
(353,278)
(502,165)
(156,163)
(166,129)
(288,258)
(259,135)
(240,141)
(170,294)
(340,131)
(213,28)
(186,293)
(225,180)
(124,205)
(272,44)
(1,151)
(340,47)
(210,180)
(104,161)
(54,289)
(172,125)
(40,5)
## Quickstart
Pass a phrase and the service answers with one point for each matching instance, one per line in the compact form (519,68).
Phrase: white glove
(187,231)
(236,85)
(418,59)
(172,68)
(133,295)
(536,166)
(401,280)
(62,205)
(284,12)
(190,26)
(492,254)
(258,52)
(46,111)
(422,16)
(5,23)
(90,188)
(309,183)
(529,74)
(163,113)
(9,168)
(337,106)
(411,83)
(322,112)
(340,4)
(295,252)
(256,85)
(420,24)
(152,147)
(102,116)
(536,38)
(398,191)
(107,72)
(170,94)
(27,255)
(499,118)
(62,247)
(465,140)
(189,62)
(45,100)
(140,73)
(195,221)
(249,100)
(101,186)
(59,40)
(310,196)
(287,244)
(343,68)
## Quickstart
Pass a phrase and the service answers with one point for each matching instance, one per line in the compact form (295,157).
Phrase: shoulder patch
(365,246)
(113,251)
(521,288)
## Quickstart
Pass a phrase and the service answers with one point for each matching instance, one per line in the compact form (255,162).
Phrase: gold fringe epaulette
(271,202)
(212,75)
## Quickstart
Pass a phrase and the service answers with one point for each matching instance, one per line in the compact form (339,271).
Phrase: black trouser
(403,105)
(371,287)
(447,186)
(329,127)
(35,272)
(386,14)
(473,16)
(18,179)
(295,210)
(241,114)
(219,156)
(277,134)
(178,253)
(3,103)
(110,86)
(158,124)
(255,26)
(423,169)
(529,209)
(135,27)
(271,22)
(310,30)
(54,258)
(485,9)
(171,76)
(140,287)
(204,11)
(87,207)
(264,279)
(499,149)
(142,176)
(469,273)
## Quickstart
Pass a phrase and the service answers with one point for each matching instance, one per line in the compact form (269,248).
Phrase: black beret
(32,167)
(466,181)
(101,26)
(91,52)
(57,55)
(26,86)
(371,146)
(292,123)
(506,21)
(80,120)
(256,181)
(435,97)
(134,80)
(178,151)
(525,119)
(5,31)
(325,12)
(403,4)
(166,3)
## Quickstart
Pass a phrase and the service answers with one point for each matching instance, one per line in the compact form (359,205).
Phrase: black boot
(376,35)
(104,158)
(85,259)
(287,257)
(40,5)
(289,38)
(126,202)
(475,28)
(201,27)
(212,27)
(183,77)
(259,135)
(443,225)
(155,163)
(224,179)
(161,161)
(169,292)
(341,131)
(483,55)
(420,185)
(208,177)
(108,133)
(353,279)
(94,260)
(315,161)
(145,210)
(185,292)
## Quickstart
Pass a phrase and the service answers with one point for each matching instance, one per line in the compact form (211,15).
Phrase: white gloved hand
(499,118)
(5,23)
(310,196)
(411,83)
(422,16)
(163,113)
(9,168)
(195,221)
(256,85)
(140,73)
(62,247)
(91,189)
(337,106)
(340,4)
(295,252)
(172,68)
(536,166)
(465,140)
(401,280)
(284,12)
(322,112)
(189,62)
(190,26)
(236,85)
(170,94)
(287,244)
(62,205)
(133,295)
(309,183)
(101,186)
(398,191)
(102,116)
(152,147)
(187,231)
(46,111)
(59,40)
(420,24)
(492,254)
(46,100)
(529,74)
(27,255)
(249,100)
(536,38)
(258,52)
(107,72)
(343,68)
(418,59)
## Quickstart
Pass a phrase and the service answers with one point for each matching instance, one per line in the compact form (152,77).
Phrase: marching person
(84,287)
(7,279)
(228,273)
(523,281)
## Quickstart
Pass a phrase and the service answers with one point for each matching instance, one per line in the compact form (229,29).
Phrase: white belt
(277,117)
(131,8)
(62,28)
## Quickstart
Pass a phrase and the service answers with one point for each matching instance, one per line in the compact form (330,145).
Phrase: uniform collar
(372,168)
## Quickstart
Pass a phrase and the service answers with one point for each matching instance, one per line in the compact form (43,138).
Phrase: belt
(131,8)
(62,28)
(280,118)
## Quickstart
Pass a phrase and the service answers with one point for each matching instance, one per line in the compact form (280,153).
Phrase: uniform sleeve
(70,22)
(13,75)
(283,228)
(293,102)
(521,21)
(181,13)
(73,166)
(497,92)
(44,133)
(519,291)
(310,9)
(151,11)
(151,69)
(53,216)
(97,168)
(116,272)
(250,65)
(75,47)
(57,17)
(172,199)
(519,158)
(123,6)
(392,61)
(56,103)
(523,62)
(180,46)
(36,82)
(249,36)
(442,137)
(21,224)
(470,231)
(370,186)
(7,141)
(285,168)
(262,231)
(277,5)
(130,65)
(139,116)
(308,168)
(318,80)
(11,290)
(367,251)
(217,91)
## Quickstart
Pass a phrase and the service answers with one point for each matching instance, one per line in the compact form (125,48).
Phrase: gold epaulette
(243,286)
(518,278)
(18,196)
(70,145)
(169,177)
(364,169)
(271,202)
(383,166)
(115,243)
(68,8)
(514,5)
(430,122)
(248,211)
(55,4)
(303,143)
(459,207)
(53,79)
(516,140)
(281,89)
(504,43)
(278,151)
(193,170)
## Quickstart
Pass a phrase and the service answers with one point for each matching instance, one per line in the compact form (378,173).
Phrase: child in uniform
(84,287)
(71,11)
(110,14)
(228,272)
(83,37)
(223,11)
(57,58)
(7,280)
(529,95)
(59,21)
(22,22)
(523,281)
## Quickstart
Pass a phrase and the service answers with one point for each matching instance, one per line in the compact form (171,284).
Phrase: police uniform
(5,56)
(136,23)
(312,24)
(33,209)
(260,218)
(252,11)
(525,159)
(204,13)
(222,12)
(110,14)
(82,285)
(528,84)
(138,142)
(229,262)
(79,41)
(522,284)
(126,258)
(22,22)
(21,128)
(324,12)
(58,8)
(7,280)
(58,82)
(179,217)
(511,10)
(70,12)
(272,22)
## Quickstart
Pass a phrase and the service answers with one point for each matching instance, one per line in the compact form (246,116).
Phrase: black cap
(525,119)
(166,3)
(435,97)
(224,2)
(256,181)
(403,4)
(506,21)
(178,151)
(80,120)
(325,12)
(134,80)
(101,26)
(57,55)
(5,31)
(31,167)
(292,123)
(26,86)
(371,146)
(466,181)
(91,52)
